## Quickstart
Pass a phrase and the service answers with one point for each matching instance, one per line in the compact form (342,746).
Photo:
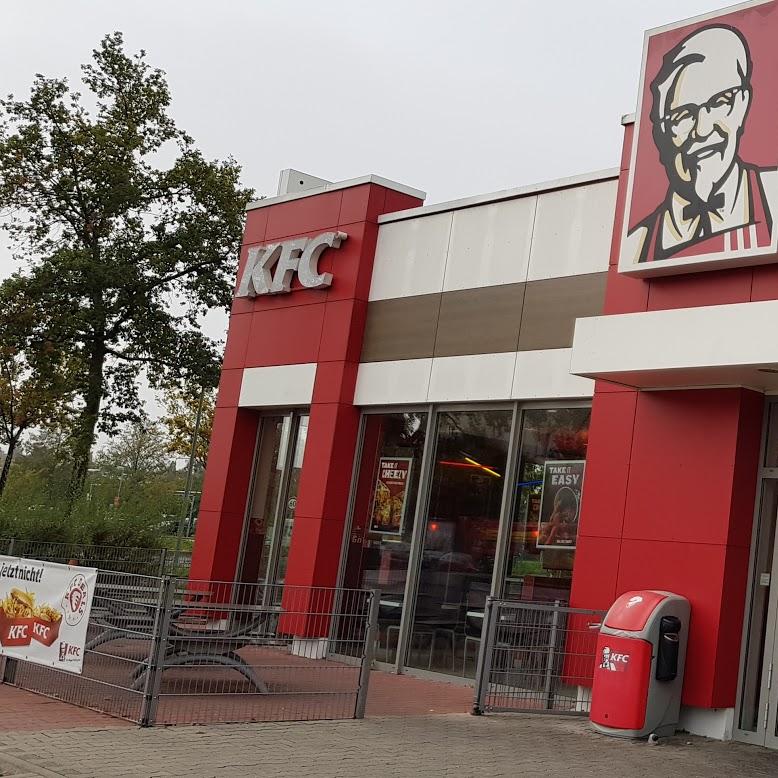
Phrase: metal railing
(126,559)
(164,650)
(125,619)
(536,658)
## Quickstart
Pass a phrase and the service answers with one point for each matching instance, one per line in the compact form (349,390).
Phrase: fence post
(548,691)
(156,663)
(367,655)
(11,547)
(485,653)
(162,561)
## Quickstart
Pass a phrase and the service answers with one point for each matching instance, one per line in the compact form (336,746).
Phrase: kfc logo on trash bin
(615,663)
(703,185)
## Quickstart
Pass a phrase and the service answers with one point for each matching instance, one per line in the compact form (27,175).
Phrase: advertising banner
(391,493)
(44,611)
(703,179)
(560,503)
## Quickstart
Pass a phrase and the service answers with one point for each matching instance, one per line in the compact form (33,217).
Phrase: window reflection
(260,522)
(384,507)
(544,531)
(460,539)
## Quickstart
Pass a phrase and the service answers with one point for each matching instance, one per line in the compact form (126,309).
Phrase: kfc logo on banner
(270,269)
(703,181)
(69,653)
(75,600)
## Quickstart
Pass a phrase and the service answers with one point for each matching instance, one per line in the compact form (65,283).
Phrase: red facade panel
(354,263)
(237,341)
(695,570)
(361,203)
(322,326)
(256,225)
(671,481)
(607,465)
(229,388)
(342,328)
(285,336)
(304,215)
(695,289)
(682,466)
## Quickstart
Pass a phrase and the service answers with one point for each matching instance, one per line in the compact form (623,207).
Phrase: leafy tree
(36,376)
(122,254)
(181,406)
(138,452)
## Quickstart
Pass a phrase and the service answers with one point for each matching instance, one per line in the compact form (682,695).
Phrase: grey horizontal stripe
(488,320)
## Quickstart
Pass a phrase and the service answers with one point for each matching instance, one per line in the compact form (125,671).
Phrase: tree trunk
(84,436)
(9,455)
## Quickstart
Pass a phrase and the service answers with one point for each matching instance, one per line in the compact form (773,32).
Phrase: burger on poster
(22,620)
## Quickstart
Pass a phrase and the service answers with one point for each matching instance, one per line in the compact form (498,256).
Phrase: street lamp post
(189,474)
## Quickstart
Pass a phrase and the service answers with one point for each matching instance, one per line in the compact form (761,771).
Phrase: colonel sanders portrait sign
(703,184)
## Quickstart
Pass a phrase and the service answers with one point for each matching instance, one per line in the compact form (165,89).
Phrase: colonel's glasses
(683,119)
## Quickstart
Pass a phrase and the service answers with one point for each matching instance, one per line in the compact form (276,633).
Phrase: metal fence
(126,559)
(536,658)
(164,650)
(126,607)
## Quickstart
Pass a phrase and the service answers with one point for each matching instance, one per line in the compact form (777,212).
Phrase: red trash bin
(641,651)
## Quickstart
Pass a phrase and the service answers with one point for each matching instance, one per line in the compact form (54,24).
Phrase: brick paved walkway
(20,710)
(389,695)
(448,746)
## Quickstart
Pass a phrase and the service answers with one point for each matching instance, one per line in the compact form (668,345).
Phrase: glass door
(459,542)
(289,504)
(271,508)
(383,518)
(758,711)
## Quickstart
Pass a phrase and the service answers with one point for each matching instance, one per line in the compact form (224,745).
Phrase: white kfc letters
(270,269)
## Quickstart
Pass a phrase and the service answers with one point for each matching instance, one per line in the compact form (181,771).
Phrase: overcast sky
(455,98)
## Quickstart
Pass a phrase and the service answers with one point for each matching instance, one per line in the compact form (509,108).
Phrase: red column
(671,480)
(668,504)
(322,326)
(225,490)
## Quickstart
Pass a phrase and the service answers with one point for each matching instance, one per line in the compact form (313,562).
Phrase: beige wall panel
(552,305)
(572,232)
(410,257)
(490,244)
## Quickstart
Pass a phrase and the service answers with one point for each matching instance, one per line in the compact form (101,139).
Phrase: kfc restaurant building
(558,392)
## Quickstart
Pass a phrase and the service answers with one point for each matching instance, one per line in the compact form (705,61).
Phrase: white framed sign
(44,611)
(703,179)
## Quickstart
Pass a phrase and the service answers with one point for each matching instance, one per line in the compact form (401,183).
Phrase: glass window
(265,553)
(460,538)
(546,504)
(771,444)
(382,521)
(290,503)
(757,633)
(268,469)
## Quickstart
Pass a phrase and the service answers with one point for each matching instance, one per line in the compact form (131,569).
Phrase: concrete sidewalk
(450,746)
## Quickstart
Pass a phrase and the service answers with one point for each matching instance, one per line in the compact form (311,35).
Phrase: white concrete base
(310,648)
(715,723)
(583,701)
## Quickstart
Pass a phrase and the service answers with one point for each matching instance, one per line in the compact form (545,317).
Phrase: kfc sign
(270,269)
(703,181)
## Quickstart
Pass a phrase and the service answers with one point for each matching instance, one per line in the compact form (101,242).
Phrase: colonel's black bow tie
(700,208)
